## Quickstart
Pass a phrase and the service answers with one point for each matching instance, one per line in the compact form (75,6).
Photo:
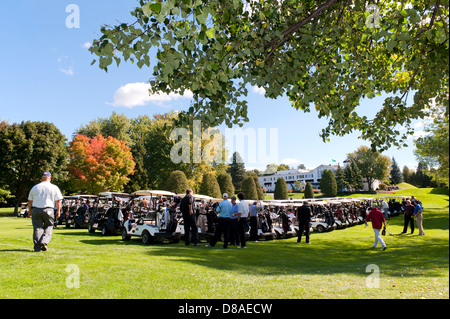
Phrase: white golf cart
(318,222)
(23,212)
(154,223)
(283,225)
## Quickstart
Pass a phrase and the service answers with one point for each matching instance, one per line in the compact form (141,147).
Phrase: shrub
(177,182)
(249,188)
(309,192)
(328,184)
(225,183)
(280,189)
(209,186)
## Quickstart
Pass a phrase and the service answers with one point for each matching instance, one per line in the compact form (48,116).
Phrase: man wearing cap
(377,219)
(304,219)
(223,222)
(42,199)
(419,217)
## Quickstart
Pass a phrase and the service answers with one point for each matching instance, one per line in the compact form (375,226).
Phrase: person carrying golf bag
(377,219)
(304,218)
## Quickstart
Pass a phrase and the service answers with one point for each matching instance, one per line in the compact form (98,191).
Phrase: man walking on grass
(377,219)
(42,199)
(304,219)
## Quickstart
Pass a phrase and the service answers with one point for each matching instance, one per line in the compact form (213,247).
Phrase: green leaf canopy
(326,56)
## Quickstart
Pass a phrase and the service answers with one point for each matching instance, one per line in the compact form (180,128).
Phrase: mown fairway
(333,266)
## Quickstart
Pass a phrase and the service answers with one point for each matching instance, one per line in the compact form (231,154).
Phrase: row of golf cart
(120,213)
(154,216)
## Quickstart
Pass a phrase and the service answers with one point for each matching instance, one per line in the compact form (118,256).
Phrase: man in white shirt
(385,209)
(42,199)
(243,210)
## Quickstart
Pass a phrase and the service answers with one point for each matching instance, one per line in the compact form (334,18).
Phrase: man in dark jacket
(190,225)
(409,219)
(304,218)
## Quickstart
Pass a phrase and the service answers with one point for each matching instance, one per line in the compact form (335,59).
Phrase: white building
(291,176)
(304,176)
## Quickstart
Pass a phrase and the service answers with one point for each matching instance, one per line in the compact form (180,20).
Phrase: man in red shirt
(377,219)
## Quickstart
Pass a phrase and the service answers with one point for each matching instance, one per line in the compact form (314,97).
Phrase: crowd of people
(232,218)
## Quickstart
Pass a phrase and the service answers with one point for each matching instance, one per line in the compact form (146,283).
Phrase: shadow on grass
(286,257)
(406,255)
(440,191)
(438,219)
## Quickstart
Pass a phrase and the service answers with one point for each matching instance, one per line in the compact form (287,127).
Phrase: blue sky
(45,75)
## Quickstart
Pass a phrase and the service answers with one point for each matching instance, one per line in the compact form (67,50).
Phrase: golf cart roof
(110,194)
(347,200)
(144,197)
(70,197)
(319,202)
(197,196)
(334,202)
(153,193)
(85,196)
(277,204)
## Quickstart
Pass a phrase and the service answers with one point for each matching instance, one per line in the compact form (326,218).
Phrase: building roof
(299,171)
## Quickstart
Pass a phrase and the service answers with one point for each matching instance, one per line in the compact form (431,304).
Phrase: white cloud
(418,134)
(65,65)
(421,134)
(67,71)
(137,94)
(259,90)
(291,162)
(419,124)
(86,45)
(259,168)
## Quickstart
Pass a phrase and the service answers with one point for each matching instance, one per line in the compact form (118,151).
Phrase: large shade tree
(372,165)
(99,164)
(433,149)
(28,149)
(326,55)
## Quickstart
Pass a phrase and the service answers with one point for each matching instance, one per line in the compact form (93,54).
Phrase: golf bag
(172,222)
(263,223)
(285,222)
(211,220)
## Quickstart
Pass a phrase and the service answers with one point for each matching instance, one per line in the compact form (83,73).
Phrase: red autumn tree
(99,164)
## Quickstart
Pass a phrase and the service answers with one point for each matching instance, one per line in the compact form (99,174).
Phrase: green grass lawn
(333,266)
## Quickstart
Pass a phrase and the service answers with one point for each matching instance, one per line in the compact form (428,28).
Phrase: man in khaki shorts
(42,199)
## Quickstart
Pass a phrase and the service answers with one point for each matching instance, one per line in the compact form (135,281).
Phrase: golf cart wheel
(105,231)
(91,229)
(125,236)
(174,240)
(67,225)
(146,237)
(320,228)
